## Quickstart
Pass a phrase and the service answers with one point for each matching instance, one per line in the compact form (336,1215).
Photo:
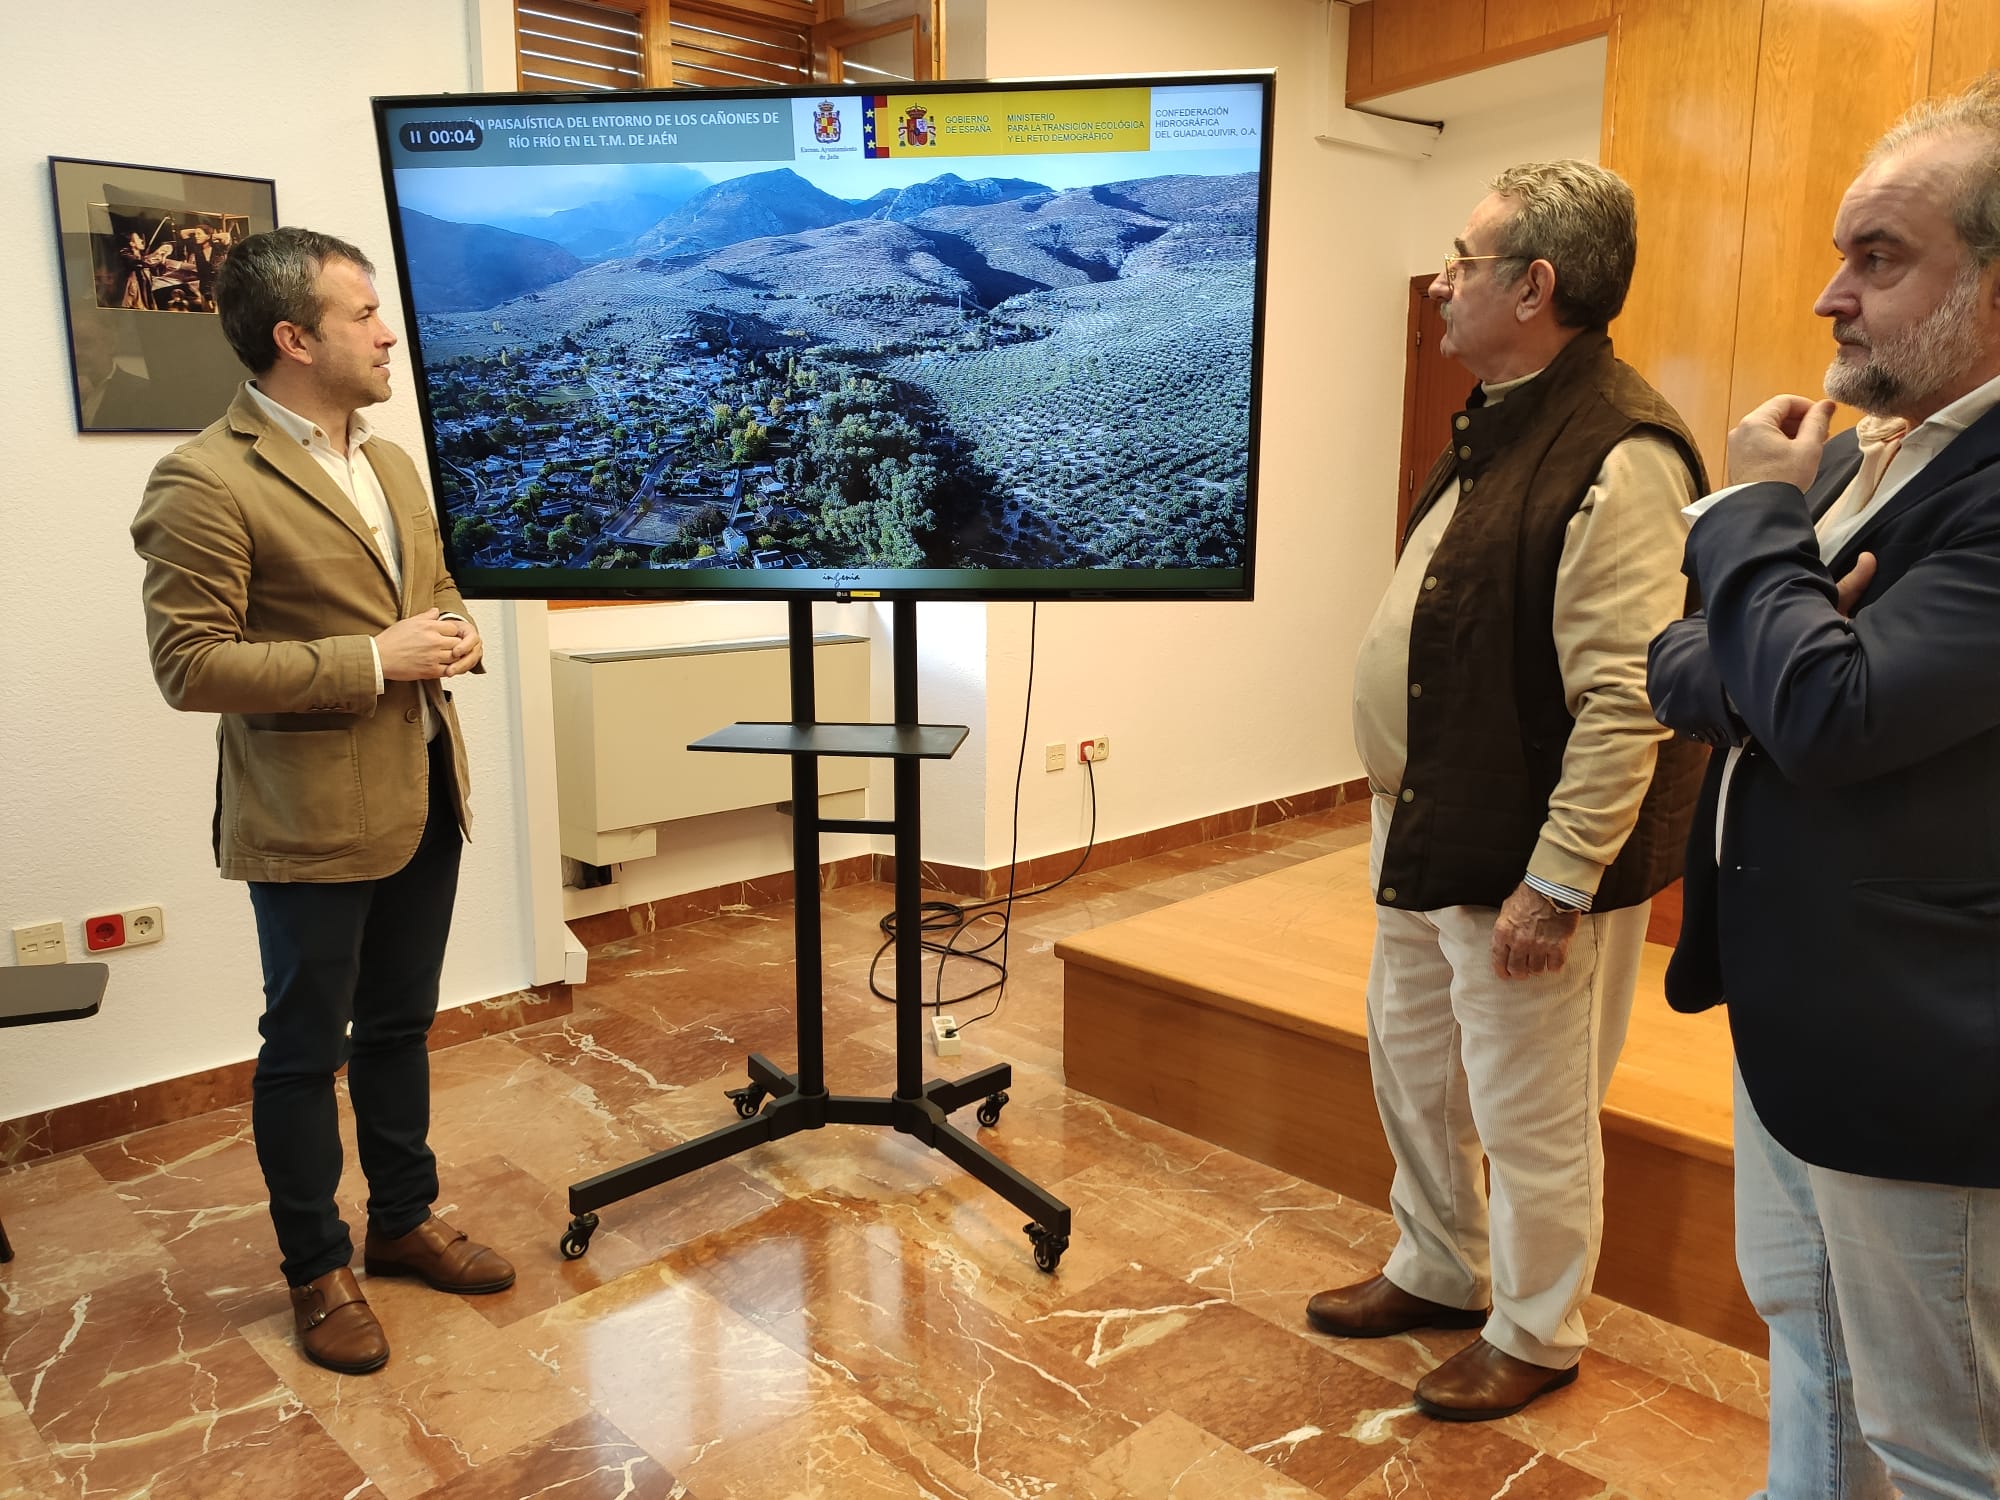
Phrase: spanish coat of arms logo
(916,128)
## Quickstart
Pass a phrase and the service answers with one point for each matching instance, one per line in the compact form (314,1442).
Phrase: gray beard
(1914,365)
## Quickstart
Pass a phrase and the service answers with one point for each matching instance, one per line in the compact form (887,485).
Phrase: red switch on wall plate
(100,933)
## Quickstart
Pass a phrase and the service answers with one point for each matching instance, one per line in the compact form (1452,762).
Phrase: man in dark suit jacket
(295,585)
(1843,878)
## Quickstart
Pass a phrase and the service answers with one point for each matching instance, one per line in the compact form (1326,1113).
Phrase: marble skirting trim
(71,1127)
(736,896)
(962,880)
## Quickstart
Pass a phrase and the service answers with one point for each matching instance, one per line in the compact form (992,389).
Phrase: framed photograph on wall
(140,247)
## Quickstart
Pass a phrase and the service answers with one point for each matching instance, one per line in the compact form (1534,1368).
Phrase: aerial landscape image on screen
(850,334)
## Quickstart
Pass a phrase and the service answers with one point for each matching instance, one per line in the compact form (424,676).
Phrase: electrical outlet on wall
(144,924)
(124,929)
(41,943)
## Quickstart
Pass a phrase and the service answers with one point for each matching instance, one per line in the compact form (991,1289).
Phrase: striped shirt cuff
(1566,896)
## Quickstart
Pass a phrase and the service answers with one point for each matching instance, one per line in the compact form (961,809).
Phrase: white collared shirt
(355,477)
(350,471)
(1920,445)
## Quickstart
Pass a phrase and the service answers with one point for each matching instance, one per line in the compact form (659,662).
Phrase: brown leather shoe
(1377,1307)
(1481,1382)
(336,1328)
(440,1256)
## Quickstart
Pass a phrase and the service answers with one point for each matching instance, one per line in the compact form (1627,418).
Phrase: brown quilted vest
(1488,731)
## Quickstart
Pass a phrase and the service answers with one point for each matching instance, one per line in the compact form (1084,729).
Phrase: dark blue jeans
(365,952)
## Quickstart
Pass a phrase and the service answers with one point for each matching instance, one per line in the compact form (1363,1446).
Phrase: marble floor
(839,1314)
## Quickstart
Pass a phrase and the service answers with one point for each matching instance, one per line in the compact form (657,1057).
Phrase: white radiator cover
(624,720)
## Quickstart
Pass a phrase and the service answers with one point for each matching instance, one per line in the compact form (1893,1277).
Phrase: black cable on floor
(957,918)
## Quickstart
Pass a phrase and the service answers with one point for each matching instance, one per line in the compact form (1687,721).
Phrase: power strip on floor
(944,1030)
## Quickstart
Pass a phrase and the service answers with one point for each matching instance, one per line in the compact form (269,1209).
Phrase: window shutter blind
(740,45)
(569,44)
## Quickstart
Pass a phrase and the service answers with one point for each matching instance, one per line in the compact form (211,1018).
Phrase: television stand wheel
(748,1099)
(1049,1246)
(989,1112)
(576,1239)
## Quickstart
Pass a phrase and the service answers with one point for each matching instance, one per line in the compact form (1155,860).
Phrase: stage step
(1239,1017)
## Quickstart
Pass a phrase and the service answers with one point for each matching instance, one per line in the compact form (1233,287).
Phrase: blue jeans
(366,953)
(1883,1300)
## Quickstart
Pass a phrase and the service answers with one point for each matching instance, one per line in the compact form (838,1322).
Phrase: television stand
(774,1103)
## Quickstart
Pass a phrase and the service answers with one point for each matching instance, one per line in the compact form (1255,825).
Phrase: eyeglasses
(1453,261)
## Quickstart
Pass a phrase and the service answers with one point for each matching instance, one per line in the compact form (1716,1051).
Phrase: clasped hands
(428,646)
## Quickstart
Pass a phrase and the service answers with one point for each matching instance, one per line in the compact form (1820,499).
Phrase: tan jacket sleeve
(196,544)
(1618,585)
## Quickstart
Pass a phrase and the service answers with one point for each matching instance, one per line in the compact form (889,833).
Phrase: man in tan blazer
(295,585)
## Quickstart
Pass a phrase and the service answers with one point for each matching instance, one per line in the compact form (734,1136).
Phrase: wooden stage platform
(1239,1017)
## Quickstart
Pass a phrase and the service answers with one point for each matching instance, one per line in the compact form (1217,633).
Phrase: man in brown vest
(1526,804)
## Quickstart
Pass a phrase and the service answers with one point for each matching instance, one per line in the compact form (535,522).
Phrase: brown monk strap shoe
(1377,1308)
(336,1328)
(1481,1382)
(440,1256)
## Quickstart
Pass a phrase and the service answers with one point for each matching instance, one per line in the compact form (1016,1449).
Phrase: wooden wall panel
(1739,124)
(1360,50)
(1517,23)
(1680,84)
(1966,45)
(1399,44)
(1426,38)
(1833,75)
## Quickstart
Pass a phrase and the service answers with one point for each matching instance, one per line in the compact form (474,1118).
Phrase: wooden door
(1434,390)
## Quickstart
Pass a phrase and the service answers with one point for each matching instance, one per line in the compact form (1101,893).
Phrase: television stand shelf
(775,1103)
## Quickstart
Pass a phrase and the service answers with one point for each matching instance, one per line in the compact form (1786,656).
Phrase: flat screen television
(957,340)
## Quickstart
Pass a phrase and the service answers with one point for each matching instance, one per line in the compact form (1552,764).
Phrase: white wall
(1473,150)
(1213,706)
(701,853)
(965,38)
(1208,706)
(105,793)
